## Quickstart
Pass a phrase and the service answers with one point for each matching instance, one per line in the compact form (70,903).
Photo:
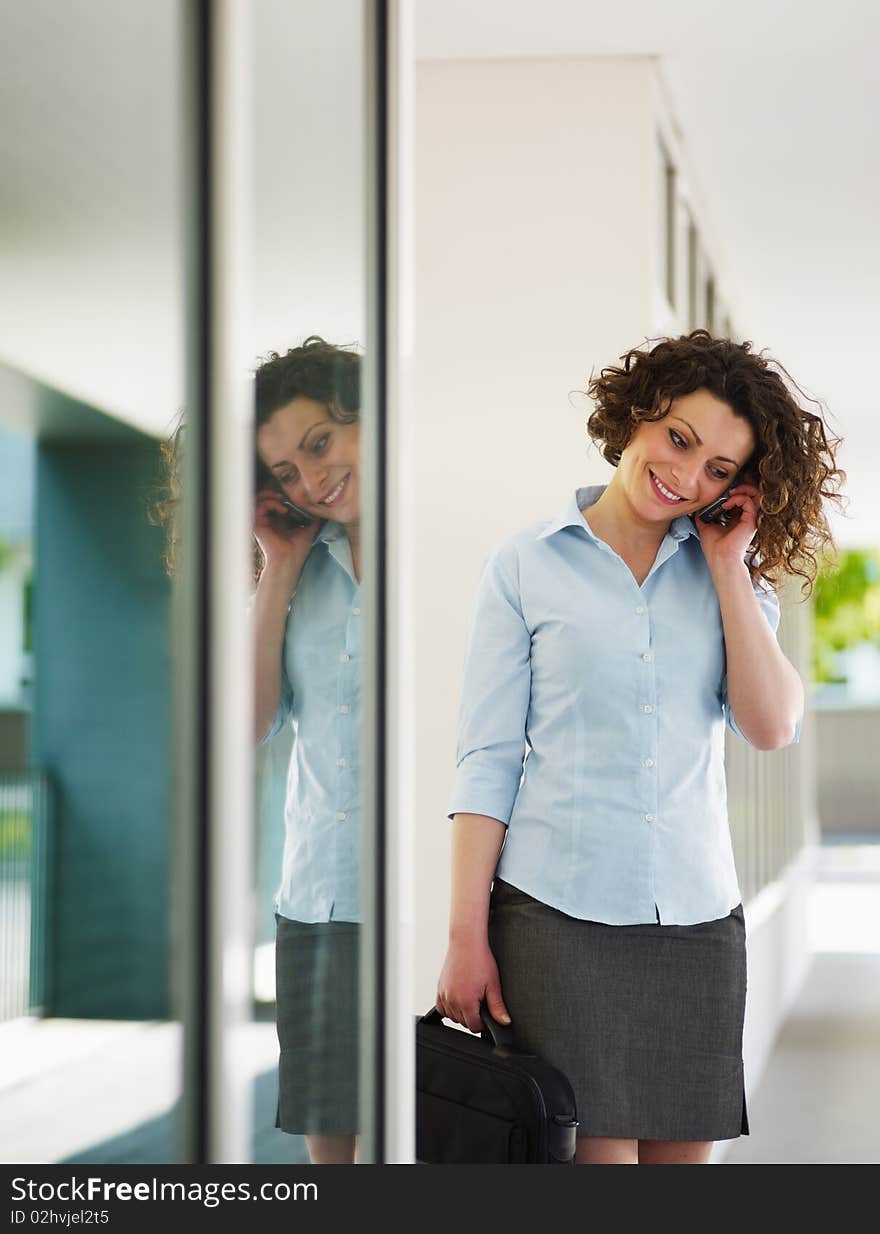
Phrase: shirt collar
(680,528)
(330,531)
(338,546)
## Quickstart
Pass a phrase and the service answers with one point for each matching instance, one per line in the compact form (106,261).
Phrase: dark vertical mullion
(671,258)
(693,312)
(375,924)
(380,343)
(202,554)
(380,275)
(194,716)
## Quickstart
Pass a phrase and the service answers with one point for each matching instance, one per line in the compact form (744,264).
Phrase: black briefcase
(479,1100)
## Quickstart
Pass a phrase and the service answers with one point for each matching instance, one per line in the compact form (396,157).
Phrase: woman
(614,639)
(307,630)
(306,624)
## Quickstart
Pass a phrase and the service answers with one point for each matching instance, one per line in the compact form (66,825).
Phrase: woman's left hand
(721,544)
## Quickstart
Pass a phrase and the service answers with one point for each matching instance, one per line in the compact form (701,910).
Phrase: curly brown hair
(323,371)
(793,463)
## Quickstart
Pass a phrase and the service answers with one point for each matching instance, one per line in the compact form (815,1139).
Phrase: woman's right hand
(282,543)
(470,976)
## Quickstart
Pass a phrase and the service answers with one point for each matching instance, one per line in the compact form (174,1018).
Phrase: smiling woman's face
(694,452)
(312,455)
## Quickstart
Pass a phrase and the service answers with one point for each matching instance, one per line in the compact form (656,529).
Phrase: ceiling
(778,103)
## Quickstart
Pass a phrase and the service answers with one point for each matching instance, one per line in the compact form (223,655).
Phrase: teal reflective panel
(91,375)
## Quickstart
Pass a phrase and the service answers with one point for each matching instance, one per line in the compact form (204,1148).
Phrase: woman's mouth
(663,493)
(334,497)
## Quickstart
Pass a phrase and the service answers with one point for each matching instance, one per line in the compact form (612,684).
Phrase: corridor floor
(818,1098)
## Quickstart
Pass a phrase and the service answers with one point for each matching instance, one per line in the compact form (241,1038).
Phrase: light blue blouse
(592,723)
(321,698)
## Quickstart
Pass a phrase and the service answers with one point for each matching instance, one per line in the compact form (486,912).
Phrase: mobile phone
(715,513)
(297,517)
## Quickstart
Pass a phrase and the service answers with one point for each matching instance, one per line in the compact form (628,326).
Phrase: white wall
(537,258)
(534,235)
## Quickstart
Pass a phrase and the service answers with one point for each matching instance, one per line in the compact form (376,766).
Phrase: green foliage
(846,609)
(15,835)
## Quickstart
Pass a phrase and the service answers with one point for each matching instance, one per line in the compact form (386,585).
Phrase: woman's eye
(322,441)
(288,479)
(679,441)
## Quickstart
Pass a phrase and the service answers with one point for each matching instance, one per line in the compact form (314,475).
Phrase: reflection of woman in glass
(617,639)
(307,624)
(307,630)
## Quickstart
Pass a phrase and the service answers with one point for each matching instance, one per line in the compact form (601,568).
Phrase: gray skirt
(316,1016)
(645,1020)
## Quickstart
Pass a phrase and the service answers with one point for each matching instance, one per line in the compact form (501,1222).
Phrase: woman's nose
(686,480)
(314,480)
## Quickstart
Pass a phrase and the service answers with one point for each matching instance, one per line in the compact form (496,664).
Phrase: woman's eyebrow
(699,443)
(283,462)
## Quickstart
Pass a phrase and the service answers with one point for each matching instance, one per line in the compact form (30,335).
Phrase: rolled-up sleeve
(495,696)
(769,603)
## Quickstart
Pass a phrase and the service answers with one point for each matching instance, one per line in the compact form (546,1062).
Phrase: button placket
(346,656)
(648,709)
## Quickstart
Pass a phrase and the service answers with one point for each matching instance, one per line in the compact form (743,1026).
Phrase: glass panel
(90,374)
(682,256)
(309,336)
(667,198)
(710,303)
(693,276)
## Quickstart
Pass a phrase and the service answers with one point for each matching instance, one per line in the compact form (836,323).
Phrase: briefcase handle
(499,1034)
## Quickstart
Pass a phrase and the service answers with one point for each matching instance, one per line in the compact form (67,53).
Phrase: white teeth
(328,501)
(665,491)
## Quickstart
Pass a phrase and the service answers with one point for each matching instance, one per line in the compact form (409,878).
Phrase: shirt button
(345,657)
(639,610)
(342,762)
(647,655)
(648,762)
(648,708)
(344,709)
(342,816)
(356,612)
(649,818)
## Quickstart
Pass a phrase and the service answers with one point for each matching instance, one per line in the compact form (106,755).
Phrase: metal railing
(769,793)
(25,839)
